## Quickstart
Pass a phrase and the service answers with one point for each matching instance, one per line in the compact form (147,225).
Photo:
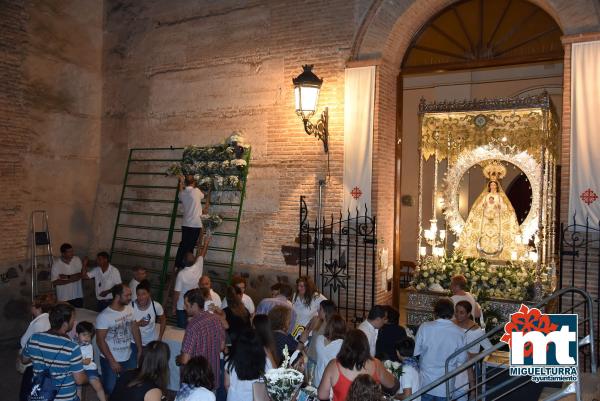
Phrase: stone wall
(50,104)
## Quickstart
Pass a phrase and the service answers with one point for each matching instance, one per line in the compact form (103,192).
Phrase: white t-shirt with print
(105,280)
(191,199)
(187,279)
(215,300)
(87,351)
(195,394)
(148,332)
(67,292)
(119,334)
(306,312)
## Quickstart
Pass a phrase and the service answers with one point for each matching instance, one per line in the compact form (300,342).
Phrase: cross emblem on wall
(356,192)
(588,196)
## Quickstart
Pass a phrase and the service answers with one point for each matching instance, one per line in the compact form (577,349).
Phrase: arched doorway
(471,38)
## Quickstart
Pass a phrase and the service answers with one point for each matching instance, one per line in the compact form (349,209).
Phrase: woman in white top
(306,303)
(462,318)
(328,345)
(40,323)
(196,381)
(247,363)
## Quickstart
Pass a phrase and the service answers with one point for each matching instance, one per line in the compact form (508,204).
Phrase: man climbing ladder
(191,227)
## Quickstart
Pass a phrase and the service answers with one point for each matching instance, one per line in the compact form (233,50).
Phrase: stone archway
(383,39)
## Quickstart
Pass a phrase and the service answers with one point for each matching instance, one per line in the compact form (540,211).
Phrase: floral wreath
(523,160)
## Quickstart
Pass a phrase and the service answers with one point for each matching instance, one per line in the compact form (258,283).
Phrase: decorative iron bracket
(320,129)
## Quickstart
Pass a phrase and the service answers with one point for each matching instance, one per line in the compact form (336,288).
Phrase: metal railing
(484,389)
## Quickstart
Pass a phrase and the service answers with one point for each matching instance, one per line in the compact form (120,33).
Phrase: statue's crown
(494,170)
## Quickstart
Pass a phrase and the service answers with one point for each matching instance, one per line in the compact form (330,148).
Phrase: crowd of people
(228,346)
(229,342)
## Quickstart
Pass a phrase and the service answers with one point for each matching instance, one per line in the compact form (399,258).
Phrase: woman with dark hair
(262,325)
(148,382)
(353,359)
(306,302)
(197,381)
(315,328)
(238,317)
(463,319)
(365,388)
(246,364)
(328,345)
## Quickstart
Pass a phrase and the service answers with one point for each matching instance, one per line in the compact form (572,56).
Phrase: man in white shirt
(375,320)
(66,276)
(191,201)
(240,282)
(187,279)
(118,337)
(215,299)
(139,275)
(436,341)
(458,286)
(106,276)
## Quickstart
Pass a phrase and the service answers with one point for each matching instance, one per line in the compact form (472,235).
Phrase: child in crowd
(85,333)
(196,381)
(409,381)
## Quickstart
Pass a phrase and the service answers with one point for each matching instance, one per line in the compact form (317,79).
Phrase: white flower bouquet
(394,368)
(283,383)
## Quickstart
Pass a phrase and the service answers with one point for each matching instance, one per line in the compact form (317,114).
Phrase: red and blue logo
(543,346)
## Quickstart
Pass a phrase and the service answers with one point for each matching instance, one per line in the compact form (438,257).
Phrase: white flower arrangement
(393,367)
(239,163)
(512,281)
(282,383)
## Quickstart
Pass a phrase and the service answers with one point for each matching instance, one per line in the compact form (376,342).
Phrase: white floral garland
(466,160)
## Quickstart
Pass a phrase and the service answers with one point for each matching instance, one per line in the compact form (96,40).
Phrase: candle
(442,234)
(513,255)
(423,251)
(533,256)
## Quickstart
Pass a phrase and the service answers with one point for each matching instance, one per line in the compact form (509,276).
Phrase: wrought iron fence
(340,254)
(580,267)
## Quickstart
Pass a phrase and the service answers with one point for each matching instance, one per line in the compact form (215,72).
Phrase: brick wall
(50,79)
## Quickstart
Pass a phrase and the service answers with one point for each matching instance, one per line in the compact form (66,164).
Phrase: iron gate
(580,267)
(340,254)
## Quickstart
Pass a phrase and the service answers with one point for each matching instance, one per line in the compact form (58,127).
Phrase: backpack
(42,386)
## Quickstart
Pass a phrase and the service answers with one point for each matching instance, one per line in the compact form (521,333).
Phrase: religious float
(487,204)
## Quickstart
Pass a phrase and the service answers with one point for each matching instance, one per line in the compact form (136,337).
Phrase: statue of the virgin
(492,226)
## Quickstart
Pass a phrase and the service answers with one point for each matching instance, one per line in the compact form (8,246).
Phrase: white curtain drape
(359,102)
(584,195)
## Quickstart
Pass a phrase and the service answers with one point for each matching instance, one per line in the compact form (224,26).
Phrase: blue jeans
(429,397)
(182,319)
(109,377)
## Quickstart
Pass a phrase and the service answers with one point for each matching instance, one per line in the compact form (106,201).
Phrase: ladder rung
(147,173)
(229,219)
(220,249)
(147,227)
(155,160)
(150,186)
(148,269)
(142,241)
(150,149)
(222,234)
(139,254)
(146,213)
(149,200)
(224,204)
(216,264)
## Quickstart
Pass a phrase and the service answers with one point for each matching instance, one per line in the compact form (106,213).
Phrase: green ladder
(148,225)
